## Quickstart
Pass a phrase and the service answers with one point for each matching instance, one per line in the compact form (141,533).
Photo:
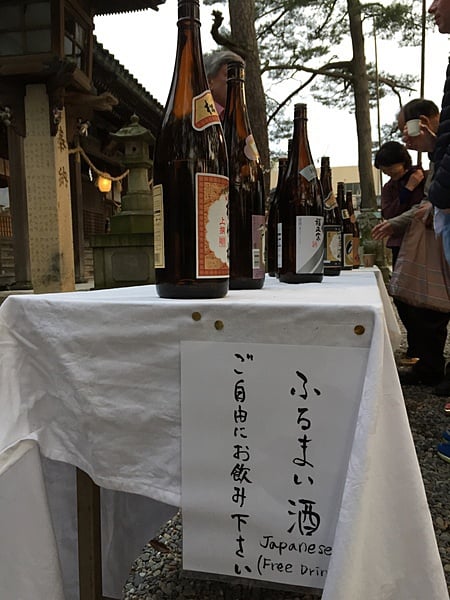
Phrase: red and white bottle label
(212,225)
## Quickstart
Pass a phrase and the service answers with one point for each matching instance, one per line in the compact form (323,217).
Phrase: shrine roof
(112,7)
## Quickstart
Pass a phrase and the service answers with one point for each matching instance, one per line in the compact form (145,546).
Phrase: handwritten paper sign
(267,431)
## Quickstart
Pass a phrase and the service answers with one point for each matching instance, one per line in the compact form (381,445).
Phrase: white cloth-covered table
(94,377)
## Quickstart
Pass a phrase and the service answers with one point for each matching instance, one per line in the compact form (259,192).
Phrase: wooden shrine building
(61,96)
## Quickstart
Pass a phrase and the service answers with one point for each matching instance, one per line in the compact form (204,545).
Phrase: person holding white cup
(413,127)
(418,121)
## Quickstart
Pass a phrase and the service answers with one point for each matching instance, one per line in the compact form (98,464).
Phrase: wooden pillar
(48,193)
(76,195)
(89,538)
(18,208)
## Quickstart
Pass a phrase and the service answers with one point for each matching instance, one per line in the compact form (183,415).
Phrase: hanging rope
(80,150)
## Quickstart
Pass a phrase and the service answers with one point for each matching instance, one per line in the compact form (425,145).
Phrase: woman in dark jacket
(404,189)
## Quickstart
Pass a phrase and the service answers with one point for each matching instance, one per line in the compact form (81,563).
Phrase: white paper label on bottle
(158,226)
(309,172)
(279,245)
(212,225)
(309,244)
(258,246)
(250,149)
(204,113)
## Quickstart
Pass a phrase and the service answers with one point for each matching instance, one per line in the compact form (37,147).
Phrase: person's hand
(423,211)
(424,142)
(382,230)
(414,179)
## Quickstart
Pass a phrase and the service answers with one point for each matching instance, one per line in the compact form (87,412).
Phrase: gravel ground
(156,572)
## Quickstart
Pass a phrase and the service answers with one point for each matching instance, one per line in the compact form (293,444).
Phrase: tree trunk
(242,23)
(362,111)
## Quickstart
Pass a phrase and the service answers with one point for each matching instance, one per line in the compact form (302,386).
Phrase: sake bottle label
(279,245)
(158,226)
(309,172)
(330,201)
(258,245)
(348,249)
(333,245)
(204,111)
(250,149)
(212,225)
(309,244)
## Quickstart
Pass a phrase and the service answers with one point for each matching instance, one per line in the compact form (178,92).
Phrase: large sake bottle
(246,199)
(190,175)
(332,222)
(272,221)
(300,211)
(347,229)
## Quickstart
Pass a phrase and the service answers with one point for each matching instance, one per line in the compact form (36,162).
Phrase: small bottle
(356,240)
(246,199)
(300,211)
(272,220)
(347,229)
(332,222)
(190,175)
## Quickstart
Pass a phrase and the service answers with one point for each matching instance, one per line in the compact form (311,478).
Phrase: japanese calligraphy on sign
(267,431)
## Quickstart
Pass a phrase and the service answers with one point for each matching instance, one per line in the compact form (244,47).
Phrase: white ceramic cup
(413,127)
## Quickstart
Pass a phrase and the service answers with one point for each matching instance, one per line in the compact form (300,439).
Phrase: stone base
(122,260)
(129,221)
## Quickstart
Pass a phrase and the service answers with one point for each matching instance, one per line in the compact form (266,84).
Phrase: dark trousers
(426,332)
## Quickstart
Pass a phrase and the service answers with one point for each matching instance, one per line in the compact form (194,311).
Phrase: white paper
(267,431)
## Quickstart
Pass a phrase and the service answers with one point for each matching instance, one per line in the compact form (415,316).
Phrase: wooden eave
(112,7)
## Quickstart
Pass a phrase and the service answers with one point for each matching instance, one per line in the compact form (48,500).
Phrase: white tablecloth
(94,377)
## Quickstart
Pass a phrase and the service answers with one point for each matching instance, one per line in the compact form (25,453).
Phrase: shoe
(415,377)
(443,388)
(447,408)
(443,451)
(408,361)
(446,435)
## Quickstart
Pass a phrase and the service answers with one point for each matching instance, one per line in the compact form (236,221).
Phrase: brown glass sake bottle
(332,222)
(300,211)
(356,243)
(190,174)
(272,222)
(246,198)
(347,229)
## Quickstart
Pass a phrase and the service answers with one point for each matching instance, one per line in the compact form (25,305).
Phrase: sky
(145,43)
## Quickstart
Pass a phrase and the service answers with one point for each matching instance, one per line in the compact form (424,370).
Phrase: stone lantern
(124,257)
(136,215)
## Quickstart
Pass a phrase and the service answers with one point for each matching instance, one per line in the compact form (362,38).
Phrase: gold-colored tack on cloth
(196,316)
(359,329)
(218,325)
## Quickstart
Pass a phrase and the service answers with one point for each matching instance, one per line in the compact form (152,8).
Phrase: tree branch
(330,70)
(282,104)
(225,40)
